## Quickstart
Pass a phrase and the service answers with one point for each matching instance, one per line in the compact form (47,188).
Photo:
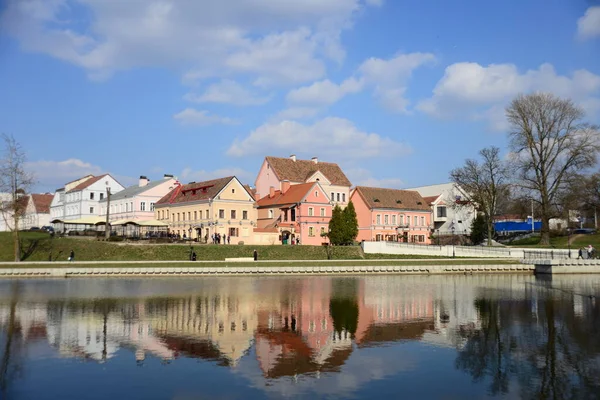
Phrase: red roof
(42,202)
(293,195)
(195,191)
(431,199)
(88,182)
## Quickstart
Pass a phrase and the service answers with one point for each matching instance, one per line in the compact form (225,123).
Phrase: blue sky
(397,92)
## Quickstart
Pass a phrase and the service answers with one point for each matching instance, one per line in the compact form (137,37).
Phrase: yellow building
(200,209)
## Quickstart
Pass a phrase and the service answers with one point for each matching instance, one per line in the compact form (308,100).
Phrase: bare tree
(549,142)
(484,181)
(15,181)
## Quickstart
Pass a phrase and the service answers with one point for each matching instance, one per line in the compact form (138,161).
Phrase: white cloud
(54,174)
(335,137)
(588,26)
(275,41)
(478,92)
(324,92)
(227,92)
(190,175)
(363,177)
(191,116)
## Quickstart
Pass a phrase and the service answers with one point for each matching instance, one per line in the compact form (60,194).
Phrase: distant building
(451,208)
(275,171)
(137,202)
(37,212)
(391,215)
(81,198)
(201,209)
(296,212)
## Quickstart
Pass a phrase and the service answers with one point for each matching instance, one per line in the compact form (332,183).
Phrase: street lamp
(453,253)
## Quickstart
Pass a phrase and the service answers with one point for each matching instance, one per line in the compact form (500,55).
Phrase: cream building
(201,209)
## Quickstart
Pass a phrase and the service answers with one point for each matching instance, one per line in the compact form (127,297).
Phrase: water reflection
(501,335)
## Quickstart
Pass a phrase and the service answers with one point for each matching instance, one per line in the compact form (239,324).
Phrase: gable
(318,177)
(316,194)
(234,190)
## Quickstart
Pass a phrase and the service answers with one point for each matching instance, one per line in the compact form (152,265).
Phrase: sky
(397,92)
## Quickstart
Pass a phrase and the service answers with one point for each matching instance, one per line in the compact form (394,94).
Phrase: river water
(451,337)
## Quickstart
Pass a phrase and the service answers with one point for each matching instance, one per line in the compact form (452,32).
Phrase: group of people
(589,251)
(217,238)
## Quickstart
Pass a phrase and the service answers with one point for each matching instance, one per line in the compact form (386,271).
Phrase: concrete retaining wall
(259,270)
(565,266)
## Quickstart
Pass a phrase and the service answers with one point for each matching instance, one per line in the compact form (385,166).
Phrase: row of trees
(552,151)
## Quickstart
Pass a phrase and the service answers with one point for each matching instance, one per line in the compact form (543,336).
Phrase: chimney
(143,181)
(315,160)
(293,157)
(168,176)
(271,192)
(285,185)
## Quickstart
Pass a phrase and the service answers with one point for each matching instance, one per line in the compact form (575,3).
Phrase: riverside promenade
(245,267)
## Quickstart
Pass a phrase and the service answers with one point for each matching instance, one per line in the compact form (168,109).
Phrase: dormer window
(398,201)
(376,200)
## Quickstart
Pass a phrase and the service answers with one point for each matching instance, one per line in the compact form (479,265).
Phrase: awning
(149,222)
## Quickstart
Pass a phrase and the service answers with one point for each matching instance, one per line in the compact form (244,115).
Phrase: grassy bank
(560,242)
(39,246)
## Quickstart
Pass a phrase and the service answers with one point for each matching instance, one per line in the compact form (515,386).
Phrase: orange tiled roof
(393,198)
(300,170)
(292,196)
(195,191)
(42,202)
(431,199)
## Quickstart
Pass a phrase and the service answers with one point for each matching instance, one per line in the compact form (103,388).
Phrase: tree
(15,181)
(484,182)
(478,229)
(549,142)
(336,226)
(350,228)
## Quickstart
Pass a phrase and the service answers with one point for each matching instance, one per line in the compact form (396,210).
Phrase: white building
(137,202)
(37,213)
(450,206)
(81,198)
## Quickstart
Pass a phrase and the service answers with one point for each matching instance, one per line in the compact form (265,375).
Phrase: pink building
(298,212)
(275,171)
(392,215)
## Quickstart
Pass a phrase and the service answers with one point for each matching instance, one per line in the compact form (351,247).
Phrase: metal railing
(552,254)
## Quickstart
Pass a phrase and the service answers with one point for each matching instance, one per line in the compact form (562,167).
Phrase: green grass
(560,242)
(38,246)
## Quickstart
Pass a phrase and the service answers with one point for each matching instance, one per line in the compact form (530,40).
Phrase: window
(183,216)
(233,214)
(322,212)
(416,220)
(178,217)
(221,213)
(91,195)
(173,217)
(244,214)
(91,210)
(378,219)
(235,232)
(189,215)
(101,196)
(200,214)
(271,214)
(310,211)
(332,196)
(143,206)
(422,221)
(151,206)
(386,219)
(311,231)
(338,197)
(232,190)
(394,219)
(131,204)
(401,219)
(408,220)
(343,197)
(441,212)
(316,193)
(195,215)
(111,209)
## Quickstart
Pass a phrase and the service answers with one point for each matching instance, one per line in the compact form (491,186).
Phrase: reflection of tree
(552,354)
(343,306)
(9,363)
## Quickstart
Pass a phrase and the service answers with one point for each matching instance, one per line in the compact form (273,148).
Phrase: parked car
(584,231)
(34,228)
(48,228)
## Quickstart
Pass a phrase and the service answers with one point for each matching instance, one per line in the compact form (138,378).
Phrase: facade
(451,208)
(137,202)
(275,170)
(200,209)
(81,198)
(392,215)
(296,212)
(37,212)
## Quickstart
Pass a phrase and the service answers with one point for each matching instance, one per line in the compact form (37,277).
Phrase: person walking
(229,239)
(72,256)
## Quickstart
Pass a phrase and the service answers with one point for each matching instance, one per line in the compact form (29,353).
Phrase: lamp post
(453,253)
(568,237)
